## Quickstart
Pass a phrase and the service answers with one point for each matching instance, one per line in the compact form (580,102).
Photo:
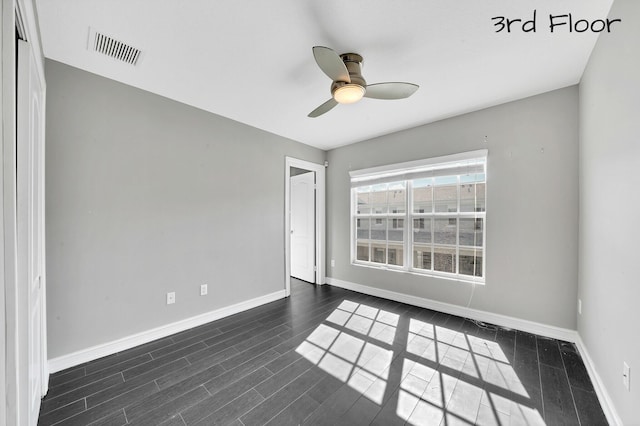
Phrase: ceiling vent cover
(116,49)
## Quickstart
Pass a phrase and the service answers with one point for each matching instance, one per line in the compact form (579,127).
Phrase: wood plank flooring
(328,356)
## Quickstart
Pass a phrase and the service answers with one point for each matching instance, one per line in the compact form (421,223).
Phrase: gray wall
(532,206)
(146,195)
(609,205)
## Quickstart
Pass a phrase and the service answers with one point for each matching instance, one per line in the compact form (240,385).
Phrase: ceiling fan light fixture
(348,93)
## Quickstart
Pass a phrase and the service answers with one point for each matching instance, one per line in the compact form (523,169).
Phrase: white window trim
(414,166)
(360,178)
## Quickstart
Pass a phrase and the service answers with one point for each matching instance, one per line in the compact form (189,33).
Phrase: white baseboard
(497,319)
(109,348)
(603,396)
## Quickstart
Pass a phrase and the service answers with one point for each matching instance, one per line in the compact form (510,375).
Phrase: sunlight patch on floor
(346,355)
(446,374)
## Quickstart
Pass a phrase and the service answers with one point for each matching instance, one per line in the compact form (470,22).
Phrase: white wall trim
(418,164)
(27,11)
(8,264)
(497,319)
(109,348)
(603,396)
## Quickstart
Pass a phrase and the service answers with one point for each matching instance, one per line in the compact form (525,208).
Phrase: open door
(30,220)
(307,224)
(303,242)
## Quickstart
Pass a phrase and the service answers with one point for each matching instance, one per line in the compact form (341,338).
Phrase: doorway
(304,222)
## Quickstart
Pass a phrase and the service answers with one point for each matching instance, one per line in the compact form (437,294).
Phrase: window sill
(456,278)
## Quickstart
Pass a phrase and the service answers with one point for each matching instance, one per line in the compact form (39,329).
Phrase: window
(424,216)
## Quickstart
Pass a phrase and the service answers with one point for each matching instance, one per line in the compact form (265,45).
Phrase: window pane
(396,255)
(444,230)
(472,193)
(396,197)
(422,195)
(468,197)
(421,257)
(472,178)
(396,229)
(378,198)
(362,237)
(362,200)
(471,232)
(471,262)
(481,194)
(362,227)
(422,230)
(379,229)
(444,259)
(363,251)
(445,194)
(378,253)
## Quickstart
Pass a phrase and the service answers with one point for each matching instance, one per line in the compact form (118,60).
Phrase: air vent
(116,49)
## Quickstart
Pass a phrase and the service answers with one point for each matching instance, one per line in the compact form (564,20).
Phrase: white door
(30,218)
(303,242)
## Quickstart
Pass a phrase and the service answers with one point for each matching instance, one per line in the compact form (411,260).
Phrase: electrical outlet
(580,306)
(203,290)
(333,263)
(171,298)
(626,375)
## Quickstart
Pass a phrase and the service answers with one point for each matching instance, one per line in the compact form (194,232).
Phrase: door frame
(320,173)
(30,150)
(15,14)
(302,194)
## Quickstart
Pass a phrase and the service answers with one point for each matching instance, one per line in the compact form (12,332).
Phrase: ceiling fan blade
(390,90)
(331,64)
(325,107)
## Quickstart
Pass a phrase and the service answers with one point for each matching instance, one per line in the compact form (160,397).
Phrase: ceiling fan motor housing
(353,62)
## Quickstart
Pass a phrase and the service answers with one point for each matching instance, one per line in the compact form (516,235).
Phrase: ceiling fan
(348,84)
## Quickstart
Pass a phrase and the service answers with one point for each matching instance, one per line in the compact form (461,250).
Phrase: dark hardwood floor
(328,356)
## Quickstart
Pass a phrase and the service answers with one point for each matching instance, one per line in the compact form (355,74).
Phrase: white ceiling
(251,61)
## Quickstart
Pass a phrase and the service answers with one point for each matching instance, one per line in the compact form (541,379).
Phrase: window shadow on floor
(413,369)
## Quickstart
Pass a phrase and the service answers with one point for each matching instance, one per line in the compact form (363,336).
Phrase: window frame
(407,173)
